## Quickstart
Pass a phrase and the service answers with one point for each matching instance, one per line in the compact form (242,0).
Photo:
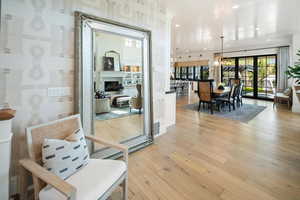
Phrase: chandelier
(220,60)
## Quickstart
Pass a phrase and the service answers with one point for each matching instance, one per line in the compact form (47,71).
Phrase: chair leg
(199,106)
(211,109)
(125,189)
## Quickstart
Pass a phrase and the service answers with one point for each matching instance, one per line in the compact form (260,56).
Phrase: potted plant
(294,72)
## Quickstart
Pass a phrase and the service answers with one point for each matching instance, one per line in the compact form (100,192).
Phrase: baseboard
(13,187)
(14,190)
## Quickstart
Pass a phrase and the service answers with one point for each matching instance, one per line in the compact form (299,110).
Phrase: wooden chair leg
(23,184)
(125,189)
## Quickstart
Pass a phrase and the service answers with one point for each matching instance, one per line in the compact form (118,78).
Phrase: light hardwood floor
(119,129)
(207,157)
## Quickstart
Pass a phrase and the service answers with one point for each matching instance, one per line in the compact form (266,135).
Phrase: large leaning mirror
(114,88)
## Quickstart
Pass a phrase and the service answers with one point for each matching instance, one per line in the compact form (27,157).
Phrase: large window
(257,73)
(184,72)
(192,73)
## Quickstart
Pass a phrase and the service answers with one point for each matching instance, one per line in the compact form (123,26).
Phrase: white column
(5,149)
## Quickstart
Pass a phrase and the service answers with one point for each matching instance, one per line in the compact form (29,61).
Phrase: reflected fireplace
(112,86)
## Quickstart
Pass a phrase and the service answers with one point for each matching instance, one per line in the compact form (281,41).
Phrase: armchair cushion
(92,181)
(282,95)
(287,91)
(65,157)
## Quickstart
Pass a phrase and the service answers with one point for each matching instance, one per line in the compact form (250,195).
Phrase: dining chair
(136,102)
(205,93)
(95,181)
(230,99)
(234,81)
(240,94)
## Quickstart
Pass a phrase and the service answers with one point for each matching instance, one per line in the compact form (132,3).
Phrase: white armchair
(96,181)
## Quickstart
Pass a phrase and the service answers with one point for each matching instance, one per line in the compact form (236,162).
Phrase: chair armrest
(120,147)
(64,187)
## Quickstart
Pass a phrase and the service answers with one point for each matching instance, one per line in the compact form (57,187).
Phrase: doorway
(257,73)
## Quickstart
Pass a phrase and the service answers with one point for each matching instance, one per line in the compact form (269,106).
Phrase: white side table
(5,151)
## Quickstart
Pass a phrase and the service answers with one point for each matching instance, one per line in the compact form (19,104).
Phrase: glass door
(205,72)
(257,73)
(228,70)
(266,76)
(246,74)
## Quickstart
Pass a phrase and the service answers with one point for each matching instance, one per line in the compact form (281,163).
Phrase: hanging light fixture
(222,49)
(220,60)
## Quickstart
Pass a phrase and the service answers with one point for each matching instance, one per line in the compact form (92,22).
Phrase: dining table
(220,92)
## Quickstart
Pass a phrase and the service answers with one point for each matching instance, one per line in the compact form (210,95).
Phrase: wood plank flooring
(119,129)
(208,157)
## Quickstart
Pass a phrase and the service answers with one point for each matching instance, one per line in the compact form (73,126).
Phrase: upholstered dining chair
(95,181)
(239,98)
(205,93)
(234,81)
(231,98)
(137,101)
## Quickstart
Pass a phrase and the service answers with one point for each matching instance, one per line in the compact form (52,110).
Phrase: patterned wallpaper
(37,52)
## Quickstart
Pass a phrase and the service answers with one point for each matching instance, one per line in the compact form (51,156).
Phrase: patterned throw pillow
(65,157)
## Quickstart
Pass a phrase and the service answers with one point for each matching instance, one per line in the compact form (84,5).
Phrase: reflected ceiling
(198,24)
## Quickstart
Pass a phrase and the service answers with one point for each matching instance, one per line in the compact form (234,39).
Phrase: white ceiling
(244,23)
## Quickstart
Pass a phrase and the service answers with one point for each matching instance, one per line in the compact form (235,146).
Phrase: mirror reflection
(118,87)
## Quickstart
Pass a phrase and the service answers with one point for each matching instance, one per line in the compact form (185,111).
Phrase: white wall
(107,42)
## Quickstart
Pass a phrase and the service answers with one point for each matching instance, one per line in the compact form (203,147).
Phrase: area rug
(244,114)
(116,113)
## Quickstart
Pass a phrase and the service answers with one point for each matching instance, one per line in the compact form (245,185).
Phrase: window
(184,71)
(192,73)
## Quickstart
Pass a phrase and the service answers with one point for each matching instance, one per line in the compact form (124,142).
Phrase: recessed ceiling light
(205,49)
(177,25)
(235,6)
(257,29)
